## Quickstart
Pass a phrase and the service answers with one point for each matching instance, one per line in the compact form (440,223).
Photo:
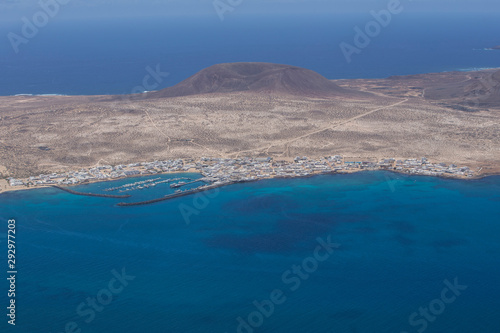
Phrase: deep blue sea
(111,56)
(410,254)
(198,264)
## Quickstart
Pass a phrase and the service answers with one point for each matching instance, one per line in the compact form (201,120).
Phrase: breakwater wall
(91,194)
(173,195)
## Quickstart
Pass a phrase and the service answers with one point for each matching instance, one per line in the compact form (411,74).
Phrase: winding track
(287,142)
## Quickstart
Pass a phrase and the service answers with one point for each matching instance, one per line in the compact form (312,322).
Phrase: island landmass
(241,112)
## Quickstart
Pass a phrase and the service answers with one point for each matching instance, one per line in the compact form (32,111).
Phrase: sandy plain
(401,117)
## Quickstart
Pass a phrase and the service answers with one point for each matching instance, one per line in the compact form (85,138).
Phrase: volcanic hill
(265,78)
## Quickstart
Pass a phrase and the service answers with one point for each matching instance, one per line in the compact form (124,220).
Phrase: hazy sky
(14,9)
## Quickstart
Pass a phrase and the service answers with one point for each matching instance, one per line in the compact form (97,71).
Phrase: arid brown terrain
(253,109)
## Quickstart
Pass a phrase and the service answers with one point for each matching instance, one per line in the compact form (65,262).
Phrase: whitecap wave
(475,69)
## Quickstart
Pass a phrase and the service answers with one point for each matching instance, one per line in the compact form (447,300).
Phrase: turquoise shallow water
(399,238)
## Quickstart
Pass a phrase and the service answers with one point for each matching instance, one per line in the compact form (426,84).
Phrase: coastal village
(221,171)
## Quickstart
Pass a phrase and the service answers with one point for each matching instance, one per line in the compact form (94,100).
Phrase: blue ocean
(112,56)
(364,252)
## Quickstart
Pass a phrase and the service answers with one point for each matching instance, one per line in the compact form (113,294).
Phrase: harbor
(177,194)
(218,171)
(144,184)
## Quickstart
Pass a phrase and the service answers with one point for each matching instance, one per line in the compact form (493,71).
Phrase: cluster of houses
(252,169)
(104,172)
(221,170)
(424,167)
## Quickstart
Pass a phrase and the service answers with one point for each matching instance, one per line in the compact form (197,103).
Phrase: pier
(91,194)
(184,184)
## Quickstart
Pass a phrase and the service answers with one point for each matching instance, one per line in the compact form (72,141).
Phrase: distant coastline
(104,94)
